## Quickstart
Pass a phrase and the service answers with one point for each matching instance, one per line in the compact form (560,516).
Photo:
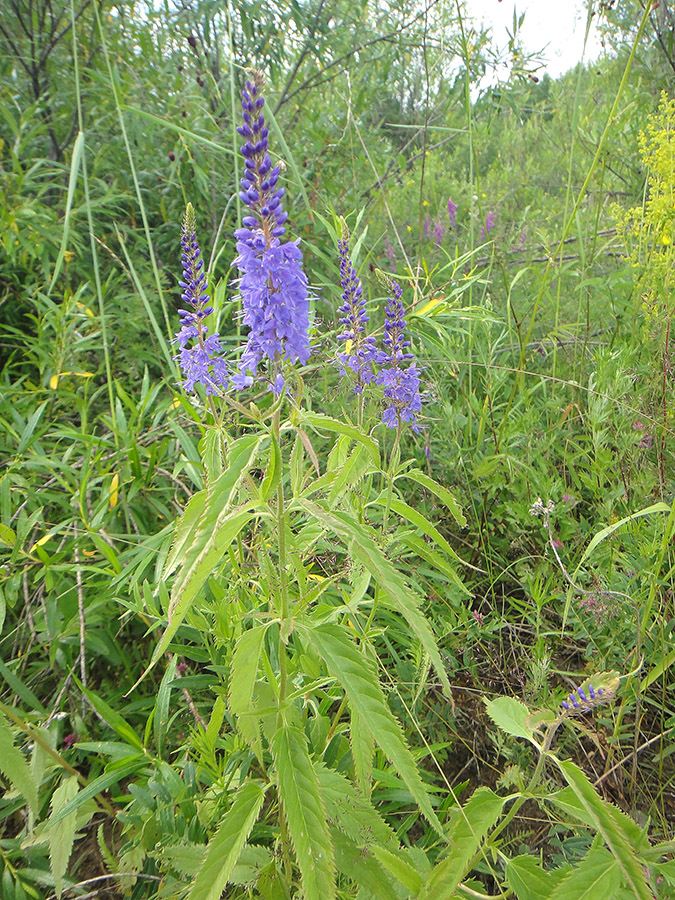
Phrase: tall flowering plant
(283,565)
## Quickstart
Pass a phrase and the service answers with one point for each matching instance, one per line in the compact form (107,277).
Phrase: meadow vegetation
(388,619)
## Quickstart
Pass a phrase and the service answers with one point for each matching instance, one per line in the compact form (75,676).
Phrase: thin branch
(390,36)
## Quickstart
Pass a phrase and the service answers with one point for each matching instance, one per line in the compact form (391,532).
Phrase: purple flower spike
(452,212)
(402,398)
(490,222)
(585,699)
(200,354)
(359,353)
(272,284)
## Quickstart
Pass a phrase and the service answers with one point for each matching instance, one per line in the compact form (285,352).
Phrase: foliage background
(547,347)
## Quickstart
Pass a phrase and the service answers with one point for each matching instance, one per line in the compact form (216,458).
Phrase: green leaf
(319,421)
(355,673)
(529,881)
(161,716)
(227,843)
(273,470)
(399,867)
(610,529)
(469,826)
(363,749)
(112,718)
(186,529)
(61,839)
(305,814)
(29,429)
(203,509)
(442,493)
(243,674)
(354,469)
(114,773)
(362,868)
(14,767)
(597,877)
(511,716)
(225,530)
(419,521)
(75,161)
(616,835)
(567,800)
(363,549)
(419,546)
(356,815)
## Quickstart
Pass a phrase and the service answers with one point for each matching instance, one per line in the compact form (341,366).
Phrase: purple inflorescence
(579,701)
(273,287)
(401,385)
(360,352)
(490,222)
(452,212)
(198,356)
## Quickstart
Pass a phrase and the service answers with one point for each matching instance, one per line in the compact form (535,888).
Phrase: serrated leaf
(356,815)
(443,494)
(567,800)
(272,470)
(303,807)
(225,530)
(419,546)
(15,768)
(355,673)
(353,470)
(362,868)
(597,877)
(528,880)
(399,867)
(363,549)
(185,531)
(617,837)
(363,749)
(227,843)
(243,674)
(511,716)
(201,514)
(419,521)
(470,823)
(325,423)
(61,839)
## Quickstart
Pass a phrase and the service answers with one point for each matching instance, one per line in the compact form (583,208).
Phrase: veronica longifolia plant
(279,570)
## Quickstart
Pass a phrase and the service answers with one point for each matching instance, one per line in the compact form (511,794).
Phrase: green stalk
(92,239)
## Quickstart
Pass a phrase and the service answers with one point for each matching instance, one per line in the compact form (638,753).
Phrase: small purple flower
(522,239)
(581,700)
(272,284)
(490,222)
(360,352)
(452,212)
(401,385)
(200,354)
(277,385)
(439,232)
(427,226)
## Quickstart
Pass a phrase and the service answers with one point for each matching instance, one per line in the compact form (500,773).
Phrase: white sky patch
(556,27)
